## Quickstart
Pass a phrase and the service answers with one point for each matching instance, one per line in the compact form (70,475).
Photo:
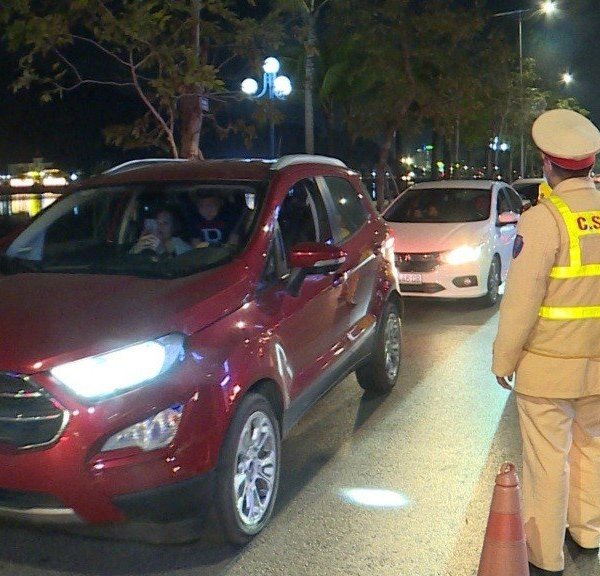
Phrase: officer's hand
(504,381)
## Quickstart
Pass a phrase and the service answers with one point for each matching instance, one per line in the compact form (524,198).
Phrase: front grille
(29,416)
(417,262)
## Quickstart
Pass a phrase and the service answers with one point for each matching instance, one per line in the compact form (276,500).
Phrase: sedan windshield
(151,230)
(441,205)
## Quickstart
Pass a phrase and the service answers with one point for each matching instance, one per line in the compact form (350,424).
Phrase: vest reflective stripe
(569,312)
(575,269)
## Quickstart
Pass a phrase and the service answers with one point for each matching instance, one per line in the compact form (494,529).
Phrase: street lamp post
(548,7)
(274,86)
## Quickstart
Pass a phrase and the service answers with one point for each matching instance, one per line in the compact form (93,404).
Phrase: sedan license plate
(410,278)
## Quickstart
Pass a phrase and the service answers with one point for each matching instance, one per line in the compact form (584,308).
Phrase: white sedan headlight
(462,255)
(115,372)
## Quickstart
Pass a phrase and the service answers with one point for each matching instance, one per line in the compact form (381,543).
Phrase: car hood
(47,319)
(417,237)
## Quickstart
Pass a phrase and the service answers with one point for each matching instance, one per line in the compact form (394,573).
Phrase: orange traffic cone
(504,550)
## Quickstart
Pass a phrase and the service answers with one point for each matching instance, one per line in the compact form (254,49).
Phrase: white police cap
(567,138)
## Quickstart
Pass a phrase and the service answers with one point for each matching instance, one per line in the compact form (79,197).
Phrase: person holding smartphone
(161,235)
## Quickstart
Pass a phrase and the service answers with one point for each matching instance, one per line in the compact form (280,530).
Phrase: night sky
(68,132)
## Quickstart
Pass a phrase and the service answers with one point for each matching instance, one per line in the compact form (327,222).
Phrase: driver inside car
(161,236)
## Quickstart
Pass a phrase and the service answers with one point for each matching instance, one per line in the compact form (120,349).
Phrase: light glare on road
(374,498)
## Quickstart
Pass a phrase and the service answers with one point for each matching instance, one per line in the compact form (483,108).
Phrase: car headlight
(115,372)
(462,255)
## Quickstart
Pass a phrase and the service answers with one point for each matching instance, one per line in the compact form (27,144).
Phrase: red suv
(154,355)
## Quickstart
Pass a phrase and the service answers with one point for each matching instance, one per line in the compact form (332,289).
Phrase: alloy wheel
(256,469)
(392,346)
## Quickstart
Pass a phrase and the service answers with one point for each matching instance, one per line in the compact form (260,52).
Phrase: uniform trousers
(561,475)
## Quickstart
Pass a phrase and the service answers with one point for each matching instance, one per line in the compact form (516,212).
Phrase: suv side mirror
(308,258)
(507,218)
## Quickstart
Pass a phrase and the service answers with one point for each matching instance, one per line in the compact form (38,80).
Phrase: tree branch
(101,48)
(157,115)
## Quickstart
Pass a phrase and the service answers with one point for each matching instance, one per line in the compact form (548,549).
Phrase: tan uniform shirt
(549,363)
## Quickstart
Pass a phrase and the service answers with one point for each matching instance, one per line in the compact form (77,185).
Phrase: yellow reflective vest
(578,225)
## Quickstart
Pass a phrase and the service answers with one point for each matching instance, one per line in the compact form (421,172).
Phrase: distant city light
(54,181)
(74,177)
(21,182)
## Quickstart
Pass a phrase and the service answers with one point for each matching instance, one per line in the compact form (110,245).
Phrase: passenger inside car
(213,223)
(161,235)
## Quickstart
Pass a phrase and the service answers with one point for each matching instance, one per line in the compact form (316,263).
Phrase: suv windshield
(441,205)
(152,230)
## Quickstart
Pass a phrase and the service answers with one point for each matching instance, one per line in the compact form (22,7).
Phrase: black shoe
(535,571)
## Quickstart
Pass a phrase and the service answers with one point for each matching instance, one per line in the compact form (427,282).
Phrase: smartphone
(150,226)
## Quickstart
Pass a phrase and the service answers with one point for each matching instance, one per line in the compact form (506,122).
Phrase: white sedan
(454,238)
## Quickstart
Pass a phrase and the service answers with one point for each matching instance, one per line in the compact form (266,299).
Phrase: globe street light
(274,86)
(548,8)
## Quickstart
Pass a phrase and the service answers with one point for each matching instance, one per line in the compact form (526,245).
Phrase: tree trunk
(190,110)
(436,153)
(382,163)
(447,156)
(309,81)
(190,104)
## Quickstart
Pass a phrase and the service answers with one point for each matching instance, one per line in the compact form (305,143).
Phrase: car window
(349,213)
(440,205)
(302,216)
(515,200)
(504,204)
(99,230)
(529,191)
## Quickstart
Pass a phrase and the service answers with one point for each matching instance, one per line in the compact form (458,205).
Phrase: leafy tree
(396,62)
(309,12)
(171,55)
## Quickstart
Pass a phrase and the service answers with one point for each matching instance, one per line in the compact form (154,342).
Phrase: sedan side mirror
(310,258)
(507,218)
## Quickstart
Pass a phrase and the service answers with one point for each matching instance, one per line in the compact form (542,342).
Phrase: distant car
(155,387)
(454,238)
(528,188)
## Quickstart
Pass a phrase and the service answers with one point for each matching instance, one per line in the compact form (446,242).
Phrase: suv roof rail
(133,164)
(292,159)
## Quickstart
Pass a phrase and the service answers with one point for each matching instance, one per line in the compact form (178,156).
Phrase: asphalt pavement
(392,486)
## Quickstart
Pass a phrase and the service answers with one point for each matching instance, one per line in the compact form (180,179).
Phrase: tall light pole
(274,86)
(548,8)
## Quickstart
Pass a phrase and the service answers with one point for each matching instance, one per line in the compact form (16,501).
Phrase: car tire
(493,284)
(248,471)
(380,374)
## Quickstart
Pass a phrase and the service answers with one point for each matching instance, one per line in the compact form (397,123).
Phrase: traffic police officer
(549,334)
